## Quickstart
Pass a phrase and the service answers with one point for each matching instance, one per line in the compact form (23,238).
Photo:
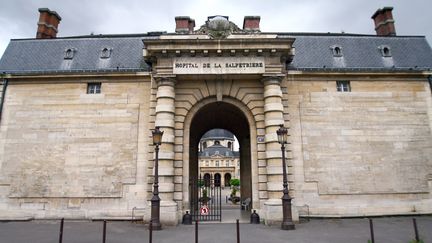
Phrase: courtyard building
(217,158)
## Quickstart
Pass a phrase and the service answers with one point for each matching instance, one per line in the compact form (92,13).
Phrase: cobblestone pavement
(388,230)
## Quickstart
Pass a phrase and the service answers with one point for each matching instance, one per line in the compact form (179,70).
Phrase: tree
(235,182)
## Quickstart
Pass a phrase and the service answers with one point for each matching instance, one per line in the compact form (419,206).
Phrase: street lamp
(155,201)
(287,223)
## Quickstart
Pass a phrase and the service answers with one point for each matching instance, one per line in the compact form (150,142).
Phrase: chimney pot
(48,24)
(384,22)
(184,24)
(251,23)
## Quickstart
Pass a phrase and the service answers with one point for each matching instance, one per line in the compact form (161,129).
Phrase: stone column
(165,119)
(273,114)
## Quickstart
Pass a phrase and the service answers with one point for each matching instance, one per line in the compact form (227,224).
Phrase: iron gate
(206,199)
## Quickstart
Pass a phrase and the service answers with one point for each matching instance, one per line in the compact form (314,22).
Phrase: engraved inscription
(219,65)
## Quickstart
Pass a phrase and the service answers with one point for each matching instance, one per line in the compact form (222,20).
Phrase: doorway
(227,179)
(226,116)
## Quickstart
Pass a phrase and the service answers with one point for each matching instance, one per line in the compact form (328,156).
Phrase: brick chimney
(184,24)
(251,23)
(48,23)
(384,22)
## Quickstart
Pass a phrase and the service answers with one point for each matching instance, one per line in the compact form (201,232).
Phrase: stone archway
(207,178)
(226,116)
(229,114)
(227,178)
(217,179)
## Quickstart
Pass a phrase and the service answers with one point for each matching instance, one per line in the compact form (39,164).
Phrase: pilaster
(165,119)
(273,113)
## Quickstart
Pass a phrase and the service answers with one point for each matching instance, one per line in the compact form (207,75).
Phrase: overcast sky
(18,18)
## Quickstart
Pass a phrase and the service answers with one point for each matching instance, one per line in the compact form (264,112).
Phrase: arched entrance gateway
(217,82)
(219,114)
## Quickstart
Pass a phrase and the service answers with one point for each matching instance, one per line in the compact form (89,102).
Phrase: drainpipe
(5,84)
(430,82)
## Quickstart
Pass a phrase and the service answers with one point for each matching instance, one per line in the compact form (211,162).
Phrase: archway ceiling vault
(219,115)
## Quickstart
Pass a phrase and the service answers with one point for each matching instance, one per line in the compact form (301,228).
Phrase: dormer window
(385,51)
(69,53)
(105,52)
(337,50)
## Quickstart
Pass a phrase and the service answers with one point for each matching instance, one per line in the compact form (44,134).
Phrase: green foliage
(235,182)
(200,183)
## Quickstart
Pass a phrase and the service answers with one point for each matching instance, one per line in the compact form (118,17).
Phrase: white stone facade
(66,153)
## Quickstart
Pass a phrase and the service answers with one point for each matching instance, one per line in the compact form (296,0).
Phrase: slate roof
(313,52)
(360,52)
(218,149)
(48,55)
(218,133)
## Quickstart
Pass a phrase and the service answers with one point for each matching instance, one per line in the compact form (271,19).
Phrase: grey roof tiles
(361,53)
(48,55)
(314,51)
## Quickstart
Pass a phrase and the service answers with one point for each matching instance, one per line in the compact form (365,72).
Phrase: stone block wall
(68,153)
(367,151)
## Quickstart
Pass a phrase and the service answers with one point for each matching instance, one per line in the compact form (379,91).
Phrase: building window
(217,163)
(227,163)
(69,53)
(207,163)
(337,51)
(385,51)
(216,152)
(93,88)
(205,145)
(343,86)
(106,52)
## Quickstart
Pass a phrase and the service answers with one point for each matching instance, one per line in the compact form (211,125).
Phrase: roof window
(385,51)
(105,52)
(69,53)
(337,50)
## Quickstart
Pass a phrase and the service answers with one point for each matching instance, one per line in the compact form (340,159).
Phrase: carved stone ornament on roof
(218,27)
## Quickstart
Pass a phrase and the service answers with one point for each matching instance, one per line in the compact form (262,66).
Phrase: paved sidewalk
(388,230)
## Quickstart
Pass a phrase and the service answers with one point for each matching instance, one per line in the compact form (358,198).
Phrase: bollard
(61,231)
(254,218)
(416,230)
(238,231)
(371,231)
(196,231)
(187,218)
(104,232)
(150,232)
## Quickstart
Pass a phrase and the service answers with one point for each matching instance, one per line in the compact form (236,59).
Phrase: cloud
(18,18)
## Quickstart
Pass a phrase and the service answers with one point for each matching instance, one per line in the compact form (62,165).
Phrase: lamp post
(287,223)
(155,201)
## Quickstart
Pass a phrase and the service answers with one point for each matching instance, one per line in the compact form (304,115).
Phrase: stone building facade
(77,114)
(217,158)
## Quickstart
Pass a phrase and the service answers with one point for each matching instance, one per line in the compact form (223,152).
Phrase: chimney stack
(251,23)
(184,24)
(48,23)
(384,22)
